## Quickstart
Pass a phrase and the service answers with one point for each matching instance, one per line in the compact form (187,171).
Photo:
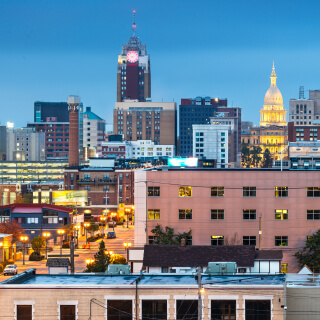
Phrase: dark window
(313,192)
(189,241)
(249,191)
(281,241)
(68,312)
(153,191)
(223,309)
(249,240)
(185,214)
(154,309)
(281,191)
(24,312)
(187,309)
(119,309)
(249,214)
(258,310)
(313,214)
(217,191)
(50,216)
(4,215)
(217,214)
(217,240)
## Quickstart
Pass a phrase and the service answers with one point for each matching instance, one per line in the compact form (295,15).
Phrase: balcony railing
(86,181)
(106,181)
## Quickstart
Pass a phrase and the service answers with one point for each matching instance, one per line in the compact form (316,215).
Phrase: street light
(103,219)
(89,262)
(86,225)
(109,253)
(77,229)
(127,245)
(46,235)
(113,214)
(61,232)
(127,212)
(24,240)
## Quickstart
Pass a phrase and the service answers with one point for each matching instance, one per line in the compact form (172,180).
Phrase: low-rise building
(7,247)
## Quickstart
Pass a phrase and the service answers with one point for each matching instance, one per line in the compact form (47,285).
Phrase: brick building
(303,132)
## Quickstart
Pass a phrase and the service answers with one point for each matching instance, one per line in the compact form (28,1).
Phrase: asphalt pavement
(123,234)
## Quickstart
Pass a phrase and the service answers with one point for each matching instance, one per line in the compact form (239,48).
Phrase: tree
(27,198)
(38,243)
(267,160)
(117,259)
(233,240)
(255,155)
(11,227)
(310,254)
(101,260)
(93,227)
(245,155)
(168,236)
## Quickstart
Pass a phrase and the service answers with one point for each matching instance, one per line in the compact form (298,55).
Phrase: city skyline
(225,50)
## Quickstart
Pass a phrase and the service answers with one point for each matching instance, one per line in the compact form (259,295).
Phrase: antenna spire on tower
(134,23)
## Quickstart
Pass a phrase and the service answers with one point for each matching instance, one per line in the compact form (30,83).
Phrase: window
(67,312)
(189,241)
(153,191)
(4,214)
(119,309)
(313,214)
(217,240)
(154,309)
(249,240)
(217,191)
(24,312)
(187,309)
(280,214)
(223,309)
(33,220)
(258,310)
(249,214)
(249,191)
(217,214)
(281,241)
(313,192)
(50,216)
(154,214)
(185,191)
(284,268)
(185,214)
(281,191)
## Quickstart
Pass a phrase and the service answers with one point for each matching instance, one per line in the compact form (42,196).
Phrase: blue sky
(217,48)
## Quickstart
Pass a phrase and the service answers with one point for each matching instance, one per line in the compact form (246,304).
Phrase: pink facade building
(275,209)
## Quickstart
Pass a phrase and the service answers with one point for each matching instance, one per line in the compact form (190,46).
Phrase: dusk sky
(225,49)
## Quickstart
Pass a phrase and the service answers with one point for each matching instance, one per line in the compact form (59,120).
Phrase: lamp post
(86,225)
(127,245)
(24,239)
(103,219)
(113,214)
(61,232)
(127,212)
(77,229)
(46,235)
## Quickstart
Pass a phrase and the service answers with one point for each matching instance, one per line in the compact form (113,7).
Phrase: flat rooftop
(30,279)
(295,280)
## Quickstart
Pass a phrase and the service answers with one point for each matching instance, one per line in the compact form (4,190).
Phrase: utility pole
(147,238)
(260,231)
(72,255)
(199,295)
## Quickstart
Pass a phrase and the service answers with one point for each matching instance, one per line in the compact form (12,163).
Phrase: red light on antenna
(134,11)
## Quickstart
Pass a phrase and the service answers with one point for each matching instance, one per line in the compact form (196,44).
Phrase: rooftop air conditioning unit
(222,268)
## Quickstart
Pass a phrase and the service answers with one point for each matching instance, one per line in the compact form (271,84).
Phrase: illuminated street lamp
(103,219)
(46,235)
(24,239)
(89,263)
(86,225)
(60,233)
(77,228)
(109,253)
(128,210)
(127,245)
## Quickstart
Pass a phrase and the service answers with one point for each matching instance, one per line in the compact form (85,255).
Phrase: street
(115,245)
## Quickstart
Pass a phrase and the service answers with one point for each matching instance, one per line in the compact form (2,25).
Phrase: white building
(210,141)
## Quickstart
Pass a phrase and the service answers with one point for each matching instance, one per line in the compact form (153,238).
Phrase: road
(115,245)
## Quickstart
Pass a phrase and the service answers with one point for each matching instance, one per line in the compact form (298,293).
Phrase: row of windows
(279,241)
(279,192)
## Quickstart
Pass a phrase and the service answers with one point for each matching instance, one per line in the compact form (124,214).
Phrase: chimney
(183,242)
(73,107)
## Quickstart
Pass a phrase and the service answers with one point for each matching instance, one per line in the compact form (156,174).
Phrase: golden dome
(273,96)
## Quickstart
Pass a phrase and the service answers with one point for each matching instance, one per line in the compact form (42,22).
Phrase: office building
(3,143)
(51,112)
(303,132)
(146,121)
(228,206)
(133,72)
(304,111)
(199,111)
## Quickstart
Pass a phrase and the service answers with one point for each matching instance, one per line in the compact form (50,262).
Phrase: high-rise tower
(133,73)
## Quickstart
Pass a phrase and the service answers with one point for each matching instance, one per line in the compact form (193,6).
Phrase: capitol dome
(273,96)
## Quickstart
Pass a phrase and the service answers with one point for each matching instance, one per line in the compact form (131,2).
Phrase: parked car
(10,269)
(111,235)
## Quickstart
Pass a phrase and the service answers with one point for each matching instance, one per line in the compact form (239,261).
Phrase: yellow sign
(121,205)
(68,197)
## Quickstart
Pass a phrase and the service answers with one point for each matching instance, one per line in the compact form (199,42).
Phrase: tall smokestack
(73,103)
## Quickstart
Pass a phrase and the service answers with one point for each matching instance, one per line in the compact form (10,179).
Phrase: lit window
(281,241)
(185,214)
(281,192)
(217,240)
(313,192)
(154,214)
(281,214)
(185,191)
(153,191)
(217,191)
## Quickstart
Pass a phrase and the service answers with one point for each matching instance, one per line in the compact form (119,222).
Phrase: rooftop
(91,115)
(33,207)
(29,278)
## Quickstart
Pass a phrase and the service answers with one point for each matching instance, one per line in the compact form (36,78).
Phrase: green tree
(167,236)
(310,254)
(101,260)
(117,259)
(267,160)
(245,155)
(255,156)
(38,243)
(93,227)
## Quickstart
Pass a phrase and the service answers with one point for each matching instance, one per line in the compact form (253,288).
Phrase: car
(10,269)
(111,235)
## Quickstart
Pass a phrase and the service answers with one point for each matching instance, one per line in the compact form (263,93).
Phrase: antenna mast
(134,23)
